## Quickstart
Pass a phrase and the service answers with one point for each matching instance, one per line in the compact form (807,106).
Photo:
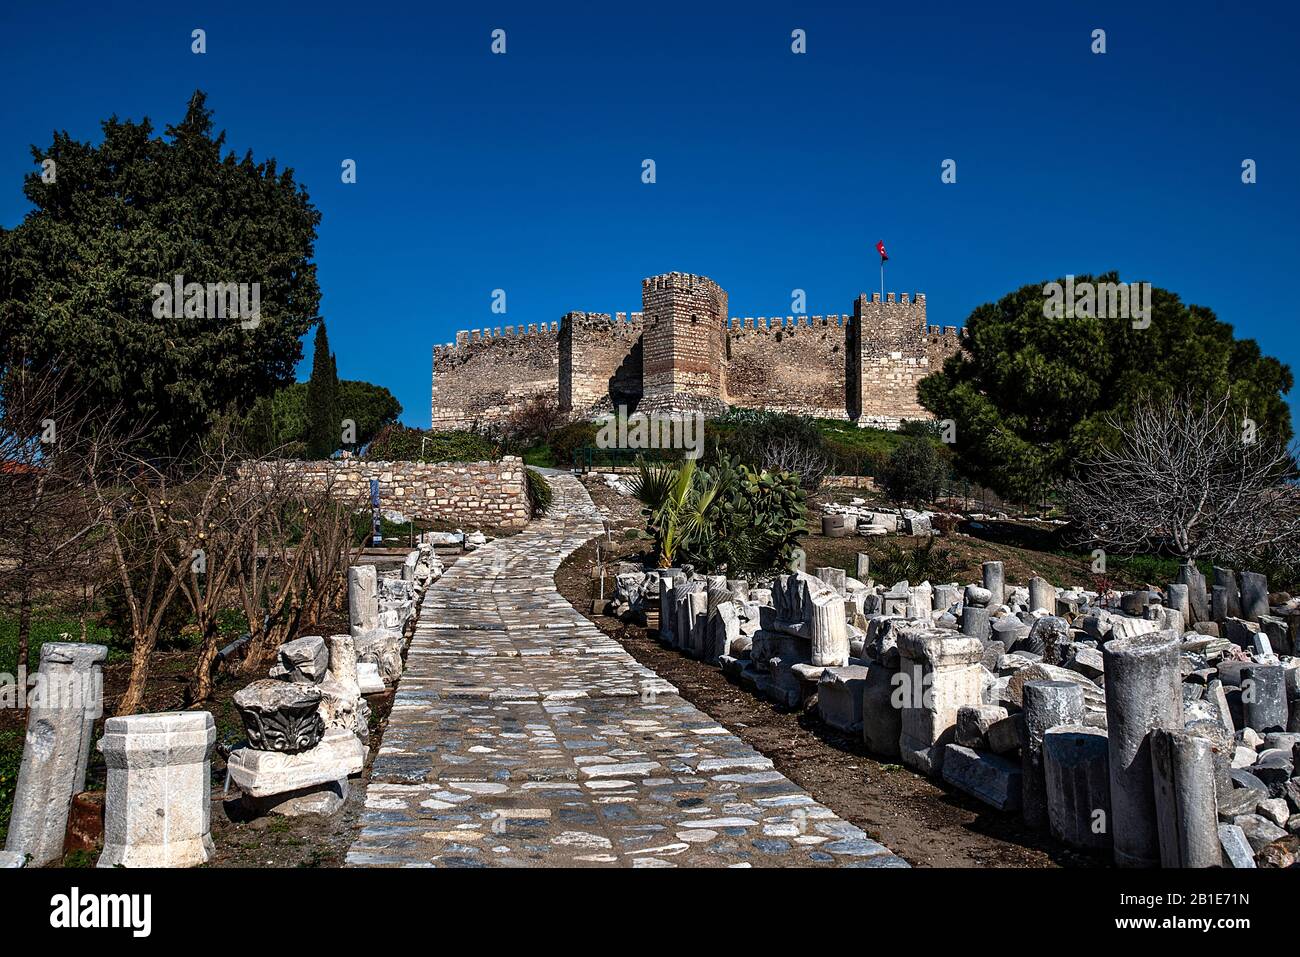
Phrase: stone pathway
(523,736)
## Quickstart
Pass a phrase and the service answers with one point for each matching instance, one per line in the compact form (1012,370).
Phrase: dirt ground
(926,824)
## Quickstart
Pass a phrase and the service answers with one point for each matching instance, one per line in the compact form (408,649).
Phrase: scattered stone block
(987,777)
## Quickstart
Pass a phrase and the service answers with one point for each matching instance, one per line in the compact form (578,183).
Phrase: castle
(683,353)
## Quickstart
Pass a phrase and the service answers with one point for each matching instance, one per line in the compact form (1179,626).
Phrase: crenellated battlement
(684,352)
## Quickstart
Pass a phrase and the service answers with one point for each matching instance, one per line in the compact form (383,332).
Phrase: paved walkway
(522,736)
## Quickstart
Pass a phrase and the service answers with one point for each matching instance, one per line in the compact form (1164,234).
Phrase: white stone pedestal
(158,805)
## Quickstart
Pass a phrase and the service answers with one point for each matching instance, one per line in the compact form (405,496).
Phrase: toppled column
(1047,704)
(938,673)
(363,599)
(995,582)
(67,699)
(1254,596)
(1076,773)
(1187,813)
(1042,594)
(1264,697)
(1143,692)
(158,803)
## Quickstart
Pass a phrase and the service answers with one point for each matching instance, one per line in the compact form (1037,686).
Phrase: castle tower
(684,321)
(888,354)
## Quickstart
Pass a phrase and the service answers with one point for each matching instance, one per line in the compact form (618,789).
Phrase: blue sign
(376,538)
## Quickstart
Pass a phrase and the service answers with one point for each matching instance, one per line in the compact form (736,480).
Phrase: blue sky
(775,171)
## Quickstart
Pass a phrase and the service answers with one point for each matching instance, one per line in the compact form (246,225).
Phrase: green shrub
(916,471)
(568,440)
(540,494)
(398,443)
(925,562)
(770,442)
(729,516)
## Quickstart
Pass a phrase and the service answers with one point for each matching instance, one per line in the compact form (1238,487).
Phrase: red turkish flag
(880,248)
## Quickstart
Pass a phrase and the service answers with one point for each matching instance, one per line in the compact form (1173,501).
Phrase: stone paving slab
(523,736)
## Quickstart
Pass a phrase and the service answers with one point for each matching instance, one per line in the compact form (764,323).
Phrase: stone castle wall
(487,374)
(683,353)
(475,494)
(600,361)
(793,364)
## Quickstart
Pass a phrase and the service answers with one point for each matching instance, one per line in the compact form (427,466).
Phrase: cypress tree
(322,399)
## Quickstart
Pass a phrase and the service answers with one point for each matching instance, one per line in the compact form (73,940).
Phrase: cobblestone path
(522,736)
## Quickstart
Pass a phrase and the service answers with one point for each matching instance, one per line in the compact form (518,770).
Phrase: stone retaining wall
(467,493)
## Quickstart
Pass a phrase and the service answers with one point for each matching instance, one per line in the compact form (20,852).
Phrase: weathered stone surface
(303,660)
(1186,807)
(1076,772)
(988,777)
(381,647)
(368,679)
(280,715)
(157,803)
(1047,704)
(1259,830)
(973,723)
(881,718)
(839,697)
(56,749)
(264,773)
(1142,692)
(1254,596)
(939,674)
(363,599)
(11,859)
(1237,851)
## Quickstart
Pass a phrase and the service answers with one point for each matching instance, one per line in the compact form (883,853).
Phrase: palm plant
(677,500)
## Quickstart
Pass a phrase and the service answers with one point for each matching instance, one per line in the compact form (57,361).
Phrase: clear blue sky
(775,171)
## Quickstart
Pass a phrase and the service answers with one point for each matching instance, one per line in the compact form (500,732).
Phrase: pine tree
(322,399)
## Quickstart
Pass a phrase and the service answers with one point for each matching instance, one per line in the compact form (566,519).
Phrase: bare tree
(789,454)
(1190,475)
(46,529)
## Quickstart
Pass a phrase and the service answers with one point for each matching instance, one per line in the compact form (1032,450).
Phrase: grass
(51,626)
(11,757)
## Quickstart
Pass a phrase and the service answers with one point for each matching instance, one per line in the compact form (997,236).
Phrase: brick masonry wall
(685,319)
(788,364)
(488,374)
(475,494)
(600,362)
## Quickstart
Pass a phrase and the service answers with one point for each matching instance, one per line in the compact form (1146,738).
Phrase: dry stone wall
(490,494)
